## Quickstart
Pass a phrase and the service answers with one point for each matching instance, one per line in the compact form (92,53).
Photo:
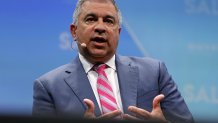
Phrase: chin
(100,58)
(99,54)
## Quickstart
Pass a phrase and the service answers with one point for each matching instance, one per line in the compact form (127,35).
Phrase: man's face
(97,27)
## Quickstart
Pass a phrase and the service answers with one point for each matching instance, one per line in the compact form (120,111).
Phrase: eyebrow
(90,14)
(94,15)
(109,16)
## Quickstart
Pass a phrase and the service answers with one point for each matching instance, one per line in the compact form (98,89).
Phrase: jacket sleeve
(173,105)
(43,104)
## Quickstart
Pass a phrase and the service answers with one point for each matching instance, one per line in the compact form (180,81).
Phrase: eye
(90,20)
(109,21)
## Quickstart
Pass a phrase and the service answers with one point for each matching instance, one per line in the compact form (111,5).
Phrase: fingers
(155,115)
(139,112)
(157,100)
(129,117)
(114,114)
(90,105)
(157,111)
(90,109)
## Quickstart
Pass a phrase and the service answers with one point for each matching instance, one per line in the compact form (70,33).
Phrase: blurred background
(35,38)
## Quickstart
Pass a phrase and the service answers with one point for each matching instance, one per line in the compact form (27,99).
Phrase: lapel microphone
(82,44)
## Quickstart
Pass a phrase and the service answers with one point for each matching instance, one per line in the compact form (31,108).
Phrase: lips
(99,39)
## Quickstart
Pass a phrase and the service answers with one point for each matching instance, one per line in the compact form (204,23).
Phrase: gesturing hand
(155,115)
(91,115)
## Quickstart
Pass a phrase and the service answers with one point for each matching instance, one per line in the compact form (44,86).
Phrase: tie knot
(99,67)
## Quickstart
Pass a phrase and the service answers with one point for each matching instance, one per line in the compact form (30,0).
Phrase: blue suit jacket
(60,92)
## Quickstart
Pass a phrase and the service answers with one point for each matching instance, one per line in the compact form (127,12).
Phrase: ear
(73,29)
(120,30)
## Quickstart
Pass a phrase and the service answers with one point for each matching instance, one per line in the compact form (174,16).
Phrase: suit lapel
(128,77)
(79,83)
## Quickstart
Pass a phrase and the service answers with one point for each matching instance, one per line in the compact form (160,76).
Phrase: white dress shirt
(112,78)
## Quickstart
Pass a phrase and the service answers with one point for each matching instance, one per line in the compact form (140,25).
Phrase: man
(101,84)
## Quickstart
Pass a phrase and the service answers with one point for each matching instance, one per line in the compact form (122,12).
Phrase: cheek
(116,38)
(83,33)
(115,41)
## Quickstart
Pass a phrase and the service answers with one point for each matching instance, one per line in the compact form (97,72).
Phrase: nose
(100,27)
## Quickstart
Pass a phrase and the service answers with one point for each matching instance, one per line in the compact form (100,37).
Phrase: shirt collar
(88,66)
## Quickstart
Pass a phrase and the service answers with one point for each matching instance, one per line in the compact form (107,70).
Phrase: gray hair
(79,4)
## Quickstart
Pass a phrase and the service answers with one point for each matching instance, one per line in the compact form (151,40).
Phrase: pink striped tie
(105,92)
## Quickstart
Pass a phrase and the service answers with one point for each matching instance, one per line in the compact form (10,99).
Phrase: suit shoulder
(56,73)
(140,60)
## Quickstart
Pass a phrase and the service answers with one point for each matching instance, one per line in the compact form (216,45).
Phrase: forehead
(99,7)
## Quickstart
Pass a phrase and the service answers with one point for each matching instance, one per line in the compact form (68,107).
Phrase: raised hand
(141,114)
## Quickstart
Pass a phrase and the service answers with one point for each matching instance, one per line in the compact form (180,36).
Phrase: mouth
(99,39)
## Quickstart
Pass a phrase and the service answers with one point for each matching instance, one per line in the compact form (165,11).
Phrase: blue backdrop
(35,38)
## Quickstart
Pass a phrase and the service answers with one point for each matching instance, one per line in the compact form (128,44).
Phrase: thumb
(90,108)
(157,111)
(157,100)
